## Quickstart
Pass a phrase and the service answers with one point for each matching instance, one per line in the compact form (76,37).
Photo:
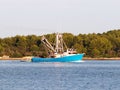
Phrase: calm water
(88,75)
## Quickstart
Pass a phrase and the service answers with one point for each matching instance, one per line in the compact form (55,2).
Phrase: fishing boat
(59,53)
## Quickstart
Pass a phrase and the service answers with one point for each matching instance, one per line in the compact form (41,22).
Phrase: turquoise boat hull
(71,58)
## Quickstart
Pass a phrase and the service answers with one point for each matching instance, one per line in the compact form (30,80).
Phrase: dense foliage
(93,45)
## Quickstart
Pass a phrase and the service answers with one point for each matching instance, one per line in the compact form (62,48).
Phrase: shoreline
(114,58)
(11,59)
(84,58)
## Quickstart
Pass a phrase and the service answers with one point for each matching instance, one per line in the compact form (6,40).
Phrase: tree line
(106,44)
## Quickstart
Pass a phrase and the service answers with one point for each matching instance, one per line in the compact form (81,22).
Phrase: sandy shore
(9,58)
(88,58)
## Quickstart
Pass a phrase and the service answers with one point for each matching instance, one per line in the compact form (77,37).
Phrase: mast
(59,43)
(60,46)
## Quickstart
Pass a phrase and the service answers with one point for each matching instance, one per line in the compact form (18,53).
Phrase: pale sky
(26,17)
